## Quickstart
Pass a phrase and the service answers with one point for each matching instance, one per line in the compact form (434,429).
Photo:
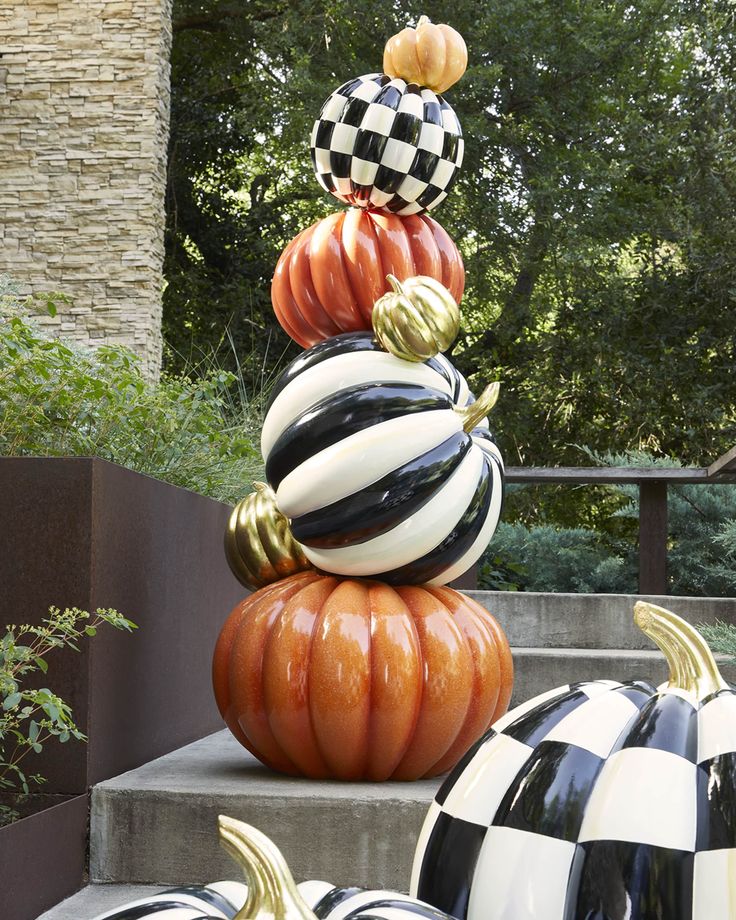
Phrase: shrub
(701,545)
(61,399)
(721,637)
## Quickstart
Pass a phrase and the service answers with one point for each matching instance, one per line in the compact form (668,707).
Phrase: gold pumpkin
(431,55)
(416,320)
(259,545)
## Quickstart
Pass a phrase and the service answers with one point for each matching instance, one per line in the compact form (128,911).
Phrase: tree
(594,208)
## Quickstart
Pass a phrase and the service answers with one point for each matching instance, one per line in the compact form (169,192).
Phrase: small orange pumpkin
(330,275)
(352,679)
(431,55)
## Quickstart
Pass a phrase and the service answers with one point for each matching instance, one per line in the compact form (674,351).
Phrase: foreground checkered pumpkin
(384,143)
(596,801)
(379,464)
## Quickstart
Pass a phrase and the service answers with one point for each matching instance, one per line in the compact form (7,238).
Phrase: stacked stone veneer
(84,109)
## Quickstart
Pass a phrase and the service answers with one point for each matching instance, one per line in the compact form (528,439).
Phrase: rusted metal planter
(37,870)
(87,533)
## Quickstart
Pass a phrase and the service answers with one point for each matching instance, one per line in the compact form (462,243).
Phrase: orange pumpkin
(331,274)
(351,679)
(431,55)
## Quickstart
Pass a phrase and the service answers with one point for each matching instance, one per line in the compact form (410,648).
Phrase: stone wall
(84,109)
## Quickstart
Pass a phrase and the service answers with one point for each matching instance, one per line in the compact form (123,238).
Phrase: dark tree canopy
(594,210)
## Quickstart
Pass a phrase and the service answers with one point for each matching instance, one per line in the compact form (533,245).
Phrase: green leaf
(11,701)
(41,664)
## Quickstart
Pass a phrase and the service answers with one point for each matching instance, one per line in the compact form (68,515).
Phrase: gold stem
(692,665)
(423,20)
(395,284)
(272,892)
(475,413)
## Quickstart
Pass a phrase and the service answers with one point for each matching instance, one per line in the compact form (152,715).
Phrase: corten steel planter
(88,533)
(35,871)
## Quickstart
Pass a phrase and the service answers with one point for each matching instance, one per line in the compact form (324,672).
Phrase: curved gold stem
(395,284)
(422,21)
(692,665)
(475,413)
(272,892)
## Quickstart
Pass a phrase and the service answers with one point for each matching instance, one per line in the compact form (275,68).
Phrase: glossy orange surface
(352,679)
(331,274)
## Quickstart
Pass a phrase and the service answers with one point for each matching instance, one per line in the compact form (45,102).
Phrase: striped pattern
(369,461)
(219,901)
(357,904)
(597,800)
(383,143)
(224,900)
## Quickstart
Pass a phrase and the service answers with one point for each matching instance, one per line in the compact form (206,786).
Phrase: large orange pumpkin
(351,679)
(331,274)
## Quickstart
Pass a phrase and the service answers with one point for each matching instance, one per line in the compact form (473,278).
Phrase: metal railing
(653,483)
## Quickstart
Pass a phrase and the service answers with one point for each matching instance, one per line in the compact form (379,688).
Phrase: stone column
(84,113)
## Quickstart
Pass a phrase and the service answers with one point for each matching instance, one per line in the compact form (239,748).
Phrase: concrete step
(594,621)
(541,669)
(158,823)
(95,899)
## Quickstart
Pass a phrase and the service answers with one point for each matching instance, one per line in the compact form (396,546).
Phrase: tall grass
(62,399)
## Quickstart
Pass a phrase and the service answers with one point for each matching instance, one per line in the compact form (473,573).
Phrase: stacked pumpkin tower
(352,659)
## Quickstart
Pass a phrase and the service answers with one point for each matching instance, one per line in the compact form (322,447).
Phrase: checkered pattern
(383,143)
(597,800)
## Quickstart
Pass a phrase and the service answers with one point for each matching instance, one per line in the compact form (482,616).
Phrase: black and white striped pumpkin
(370,462)
(219,901)
(275,895)
(223,901)
(596,801)
(358,904)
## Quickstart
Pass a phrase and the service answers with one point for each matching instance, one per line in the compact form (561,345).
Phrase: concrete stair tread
(156,826)
(95,899)
(219,765)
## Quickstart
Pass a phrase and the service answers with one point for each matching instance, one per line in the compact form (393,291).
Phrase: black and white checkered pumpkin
(594,801)
(370,461)
(383,143)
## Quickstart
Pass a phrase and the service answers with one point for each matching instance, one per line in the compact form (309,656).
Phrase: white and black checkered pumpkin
(371,461)
(596,800)
(384,143)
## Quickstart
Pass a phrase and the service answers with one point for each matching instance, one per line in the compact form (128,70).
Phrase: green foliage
(701,550)
(559,559)
(594,208)
(721,637)
(30,717)
(60,399)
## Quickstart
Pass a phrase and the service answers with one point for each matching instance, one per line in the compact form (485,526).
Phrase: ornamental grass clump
(58,398)
(30,716)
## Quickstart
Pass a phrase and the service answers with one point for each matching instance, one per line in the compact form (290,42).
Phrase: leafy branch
(31,717)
